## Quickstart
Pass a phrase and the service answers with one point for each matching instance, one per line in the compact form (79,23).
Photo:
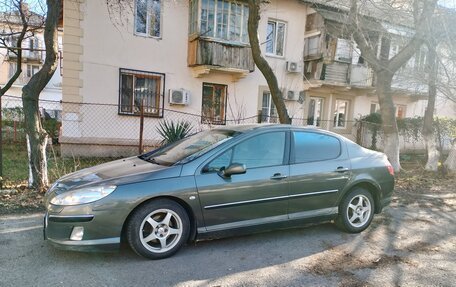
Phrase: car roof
(243,128)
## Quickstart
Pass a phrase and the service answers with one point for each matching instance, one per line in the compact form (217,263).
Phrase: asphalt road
(405,246)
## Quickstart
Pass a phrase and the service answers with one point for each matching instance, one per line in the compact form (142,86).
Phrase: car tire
(158,229)
(356,211)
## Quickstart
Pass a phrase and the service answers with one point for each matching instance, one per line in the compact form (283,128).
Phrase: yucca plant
(172,132)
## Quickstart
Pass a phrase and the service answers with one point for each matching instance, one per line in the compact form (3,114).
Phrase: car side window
(310,146)
(259,151)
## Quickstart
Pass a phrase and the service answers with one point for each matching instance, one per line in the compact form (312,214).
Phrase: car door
(256,197)
(319,170)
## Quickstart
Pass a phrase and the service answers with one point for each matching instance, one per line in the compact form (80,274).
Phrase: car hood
(113,172)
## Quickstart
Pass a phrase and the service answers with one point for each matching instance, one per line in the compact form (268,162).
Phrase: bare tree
(438,38)
(385,67)
(37,136)
(262,63)
(18,23)
(430,140)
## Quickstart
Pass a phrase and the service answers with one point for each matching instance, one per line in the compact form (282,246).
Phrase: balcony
(28,56)
(361,76)
(339,73)
(206,55)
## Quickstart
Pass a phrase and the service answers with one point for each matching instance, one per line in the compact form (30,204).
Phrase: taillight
(389,167)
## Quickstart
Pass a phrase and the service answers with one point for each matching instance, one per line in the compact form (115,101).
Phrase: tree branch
(262,64)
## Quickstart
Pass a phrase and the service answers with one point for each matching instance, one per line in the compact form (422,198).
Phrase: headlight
(83,195)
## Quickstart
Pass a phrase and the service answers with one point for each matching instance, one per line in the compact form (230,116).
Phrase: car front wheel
(158,229)
(356,211)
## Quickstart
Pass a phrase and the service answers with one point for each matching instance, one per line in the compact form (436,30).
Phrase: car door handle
(342,169)
(278,176)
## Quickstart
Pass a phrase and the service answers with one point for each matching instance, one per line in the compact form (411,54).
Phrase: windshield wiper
(152,160)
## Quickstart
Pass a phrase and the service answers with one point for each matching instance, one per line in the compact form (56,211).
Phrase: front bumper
(101,230)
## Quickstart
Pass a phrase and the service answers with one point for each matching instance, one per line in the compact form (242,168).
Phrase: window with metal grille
(139,89)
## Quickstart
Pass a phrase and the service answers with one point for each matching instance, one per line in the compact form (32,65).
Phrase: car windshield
(189,148)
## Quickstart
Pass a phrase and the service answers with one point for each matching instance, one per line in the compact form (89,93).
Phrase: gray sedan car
(218,183)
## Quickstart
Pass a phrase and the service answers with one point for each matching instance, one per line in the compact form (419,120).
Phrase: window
(315,112)
(13,40)
(312,46)
(141,88)
(340,114)
(268,109)
(12,69)
(220,19)
(375,108)
(420,60)
(32,70)
(33,44)
(189,148)
(214,104)
(259,151)
(314,147)
(148,18)
(311,22)
(400,110)
(275,38)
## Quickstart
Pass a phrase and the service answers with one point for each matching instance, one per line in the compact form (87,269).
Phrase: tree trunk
(389,124)
(37,136)
(262,64)
(450,162)
(429,137)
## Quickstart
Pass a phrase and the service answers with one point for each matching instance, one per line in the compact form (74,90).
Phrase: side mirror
(235,168)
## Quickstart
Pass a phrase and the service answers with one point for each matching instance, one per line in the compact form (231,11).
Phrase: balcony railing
(361,75)
(347,74)
(215,55)
(28,55)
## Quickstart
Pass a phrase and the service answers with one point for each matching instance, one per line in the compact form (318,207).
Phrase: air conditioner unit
(293,67)
(291,95)
(179,97)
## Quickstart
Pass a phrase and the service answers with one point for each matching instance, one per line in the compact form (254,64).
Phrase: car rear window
(311,146)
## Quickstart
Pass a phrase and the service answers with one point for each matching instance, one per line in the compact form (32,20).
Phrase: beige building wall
(96,48)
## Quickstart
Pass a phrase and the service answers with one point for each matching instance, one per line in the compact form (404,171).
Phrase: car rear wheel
(158,229)
(356,211)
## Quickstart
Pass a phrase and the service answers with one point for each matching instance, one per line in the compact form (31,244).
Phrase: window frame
(212,35)
(396,109)
(307,51)
(336,119)
(147,34)
(211,121)
(286,152)
(316,122)
(293,147)
(270,108)
(29,70)
(161,96)
(274,53)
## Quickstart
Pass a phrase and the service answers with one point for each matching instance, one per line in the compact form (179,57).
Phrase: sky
(448,3)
